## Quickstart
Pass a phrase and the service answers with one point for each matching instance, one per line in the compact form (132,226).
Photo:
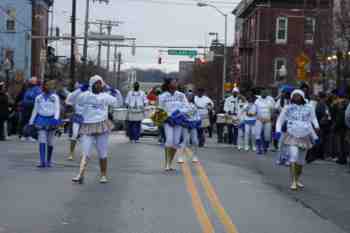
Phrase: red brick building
(271,34)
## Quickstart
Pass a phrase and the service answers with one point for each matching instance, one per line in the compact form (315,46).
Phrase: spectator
(4,113)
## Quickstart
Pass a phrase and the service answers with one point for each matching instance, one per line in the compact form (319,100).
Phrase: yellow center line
(215,201)
(202,216)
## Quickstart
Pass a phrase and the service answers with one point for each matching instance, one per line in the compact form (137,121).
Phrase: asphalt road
(228,191)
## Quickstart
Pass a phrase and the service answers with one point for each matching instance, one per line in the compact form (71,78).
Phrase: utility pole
(115,66)
(86,32)
(119,66)
(99,46)
(72,47)
(109,30)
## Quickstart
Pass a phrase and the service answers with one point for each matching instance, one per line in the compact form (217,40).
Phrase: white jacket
(300,120)
(95,106)
(202,105)
(170,103)
(251,109)
(47,106)
(136,99)
(234,105)
(265,107)
(73,100)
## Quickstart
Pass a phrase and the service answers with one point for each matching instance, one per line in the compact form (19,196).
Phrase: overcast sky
(165,22)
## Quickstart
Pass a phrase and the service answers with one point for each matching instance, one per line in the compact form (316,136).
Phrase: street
(229,191)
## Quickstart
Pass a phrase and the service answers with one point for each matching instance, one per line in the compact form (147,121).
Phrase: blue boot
(266,146)
(49,155)
(259,149)
(42,152)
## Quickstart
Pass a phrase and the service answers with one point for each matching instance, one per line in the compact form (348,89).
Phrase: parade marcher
(263,126)
(212,119)
(46,118)
(220,122)
(300,135)
(77,117)
(4,111)
(190,130)
(28,100)
(172,102)
(249,113)
(136,102)
(233,106)
(96,126)
(202,102)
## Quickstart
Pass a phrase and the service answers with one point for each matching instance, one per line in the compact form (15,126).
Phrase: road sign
(190,53)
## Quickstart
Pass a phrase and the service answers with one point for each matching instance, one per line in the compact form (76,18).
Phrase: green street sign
(189,53)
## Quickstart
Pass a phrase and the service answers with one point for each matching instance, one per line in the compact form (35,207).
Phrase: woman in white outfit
(300,134)
(190,130)
(172,102)
(249,114)
(96,127)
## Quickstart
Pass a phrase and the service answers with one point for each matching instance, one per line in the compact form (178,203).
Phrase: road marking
(202,216)
(215,201)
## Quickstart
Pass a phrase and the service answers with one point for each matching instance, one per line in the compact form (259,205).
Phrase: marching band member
(77,118)
(96,127)
(172,102)
(190,130)
(203,102)
(249,113)
(263,126)
(136,102)
(46,118)
(300,119)
(233,107)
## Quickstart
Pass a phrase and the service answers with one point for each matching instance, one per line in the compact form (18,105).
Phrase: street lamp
(202,4)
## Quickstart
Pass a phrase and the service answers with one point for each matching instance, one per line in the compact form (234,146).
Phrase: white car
(149,128)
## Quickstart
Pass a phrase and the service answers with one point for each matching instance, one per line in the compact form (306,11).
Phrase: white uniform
(46,105)
(300,120)
(264,116)
(191,135)
(249,125)
(202,104)
(136,99)
(170,103)
(72,100)
(94,108)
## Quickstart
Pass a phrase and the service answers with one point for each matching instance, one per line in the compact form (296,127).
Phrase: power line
(186,3)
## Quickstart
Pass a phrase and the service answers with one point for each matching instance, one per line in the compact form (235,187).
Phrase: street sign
(189,53)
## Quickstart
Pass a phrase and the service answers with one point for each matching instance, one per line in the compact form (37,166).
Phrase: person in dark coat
(4,110)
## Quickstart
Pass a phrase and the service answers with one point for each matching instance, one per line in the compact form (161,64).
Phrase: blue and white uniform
(249,118)
(171,103)
(46,118)
(77,119)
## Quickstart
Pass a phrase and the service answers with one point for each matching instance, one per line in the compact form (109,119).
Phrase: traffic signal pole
(72,47)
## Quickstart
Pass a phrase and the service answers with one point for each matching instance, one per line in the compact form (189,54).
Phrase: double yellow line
(202,216)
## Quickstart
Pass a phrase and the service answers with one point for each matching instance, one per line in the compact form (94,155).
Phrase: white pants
(240,137)
(100,141)
(263,127)
(249,135)
(297,155)
(75,131)
(172,136)
(188,136)
(46,137)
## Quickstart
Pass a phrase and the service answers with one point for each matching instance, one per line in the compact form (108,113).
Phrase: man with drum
(203,102)
(233,107)
(136,102)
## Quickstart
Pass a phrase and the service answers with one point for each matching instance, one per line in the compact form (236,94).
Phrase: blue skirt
(46,123)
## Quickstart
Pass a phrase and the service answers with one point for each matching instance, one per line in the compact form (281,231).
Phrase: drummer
(203,102)
(233,106)
(136,101)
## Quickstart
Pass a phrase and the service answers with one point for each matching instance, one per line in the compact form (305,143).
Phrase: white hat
(235,90)
(298,92)
(94,79)
(33,80)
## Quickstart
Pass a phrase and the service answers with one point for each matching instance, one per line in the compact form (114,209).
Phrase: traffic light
(159,60)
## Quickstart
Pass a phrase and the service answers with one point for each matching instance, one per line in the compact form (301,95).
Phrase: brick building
(271,34)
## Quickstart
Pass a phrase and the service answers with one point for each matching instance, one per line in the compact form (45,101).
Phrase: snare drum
(205,123)
(149,111)
(136,115)
(232,120)
(220,119)
(120,114)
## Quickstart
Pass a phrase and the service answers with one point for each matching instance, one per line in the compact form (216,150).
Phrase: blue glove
(277,135)
(113,92)
(317,141)
(84,87)
(241,126)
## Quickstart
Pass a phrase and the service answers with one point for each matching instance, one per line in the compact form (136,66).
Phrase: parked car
(148,128)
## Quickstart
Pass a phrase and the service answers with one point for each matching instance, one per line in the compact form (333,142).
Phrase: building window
(309,30)
(279,63)
(11,20)
(282,30)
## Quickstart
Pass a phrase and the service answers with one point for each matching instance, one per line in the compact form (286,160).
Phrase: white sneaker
(103,180)
(195,159)
(246,148)
(254,149)
(180,160)
(239,148)
(23,139)
(31,139)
